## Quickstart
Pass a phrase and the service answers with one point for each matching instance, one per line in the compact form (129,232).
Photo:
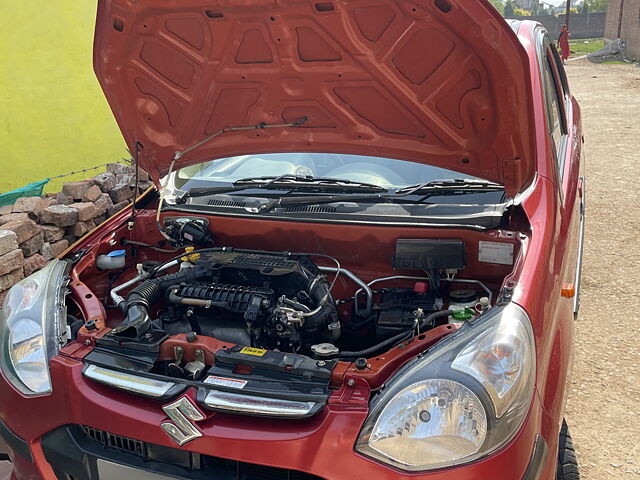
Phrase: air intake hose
(141,299)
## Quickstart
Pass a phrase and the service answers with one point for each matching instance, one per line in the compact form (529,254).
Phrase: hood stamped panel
(441,82)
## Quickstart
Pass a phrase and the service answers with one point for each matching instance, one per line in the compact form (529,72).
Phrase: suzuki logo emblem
(182,413)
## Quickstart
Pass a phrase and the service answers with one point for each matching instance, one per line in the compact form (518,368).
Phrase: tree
(590,6)
(498,5)
(509,10)
(521,12)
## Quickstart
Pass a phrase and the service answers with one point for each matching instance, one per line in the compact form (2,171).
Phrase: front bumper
(62,436)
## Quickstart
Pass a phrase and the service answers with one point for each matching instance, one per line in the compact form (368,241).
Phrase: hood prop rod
(180,153)
(261,126)
(136,158)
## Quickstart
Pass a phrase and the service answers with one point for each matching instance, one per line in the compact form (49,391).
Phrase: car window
(554,95)
(560,69)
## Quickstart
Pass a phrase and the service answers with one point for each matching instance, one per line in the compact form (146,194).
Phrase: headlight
(468,397)
(32,328)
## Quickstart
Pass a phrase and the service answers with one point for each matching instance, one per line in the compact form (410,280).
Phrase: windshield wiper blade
(461,184)
(424,191)
(236,186)
(319,181)
(287,182)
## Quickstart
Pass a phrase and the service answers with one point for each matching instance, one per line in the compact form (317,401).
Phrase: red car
(362,260)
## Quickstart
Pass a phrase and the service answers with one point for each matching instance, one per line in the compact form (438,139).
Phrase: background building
(623,21)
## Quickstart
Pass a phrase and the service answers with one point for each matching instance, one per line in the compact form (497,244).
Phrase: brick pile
(34,230)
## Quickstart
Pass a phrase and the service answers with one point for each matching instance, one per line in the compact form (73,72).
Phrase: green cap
(463,315)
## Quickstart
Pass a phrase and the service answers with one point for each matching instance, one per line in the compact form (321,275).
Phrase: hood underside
(442,82)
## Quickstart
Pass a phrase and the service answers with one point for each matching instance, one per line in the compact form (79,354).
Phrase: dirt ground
(603,410)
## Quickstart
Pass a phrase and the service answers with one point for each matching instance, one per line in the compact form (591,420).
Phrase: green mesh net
(32,190)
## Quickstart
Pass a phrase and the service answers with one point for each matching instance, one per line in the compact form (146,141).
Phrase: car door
(570,177)
(564,137)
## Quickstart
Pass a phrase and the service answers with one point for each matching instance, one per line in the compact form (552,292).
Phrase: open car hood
(440,82)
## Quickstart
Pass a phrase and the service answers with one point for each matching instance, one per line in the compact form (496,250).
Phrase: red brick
(118,168)
(92,194)
(79,229)
(76,190)
(52,233)
(125,179)
(48,201)
(60,215)
(11,261)
(33,263)
(121,193)
(8,241)
(106,181)
(33,245)
(32,206)
(86,211)
(10,279)
(51,250)
(116,208)
(24,229)
(6,209)
(103,203)
(62,199)
(58,247)
(13,217)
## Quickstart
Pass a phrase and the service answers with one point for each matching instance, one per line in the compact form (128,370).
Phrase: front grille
(191,461)
(118,442)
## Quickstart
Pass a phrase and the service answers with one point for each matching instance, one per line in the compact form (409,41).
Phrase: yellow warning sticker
(258,352)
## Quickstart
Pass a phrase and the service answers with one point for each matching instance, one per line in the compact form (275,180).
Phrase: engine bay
(275,320)
(259,299)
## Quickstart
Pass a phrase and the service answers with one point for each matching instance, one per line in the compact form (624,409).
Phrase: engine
(266,300)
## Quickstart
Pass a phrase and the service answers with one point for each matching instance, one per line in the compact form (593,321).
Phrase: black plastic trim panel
(74,450)
(481,221)
(538,458)
(15,443)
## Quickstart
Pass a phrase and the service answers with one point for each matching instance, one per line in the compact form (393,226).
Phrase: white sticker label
(225,382)
(494,252)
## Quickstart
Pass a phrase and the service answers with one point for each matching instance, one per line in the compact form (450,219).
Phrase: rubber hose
(145,294)
(397,338)
(140,300)
(316,322)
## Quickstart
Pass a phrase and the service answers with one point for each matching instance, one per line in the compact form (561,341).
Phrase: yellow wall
(53,115)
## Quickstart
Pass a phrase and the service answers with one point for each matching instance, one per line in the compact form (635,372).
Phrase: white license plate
(115,471)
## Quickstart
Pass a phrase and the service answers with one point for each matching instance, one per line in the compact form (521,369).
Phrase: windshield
(385,172)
